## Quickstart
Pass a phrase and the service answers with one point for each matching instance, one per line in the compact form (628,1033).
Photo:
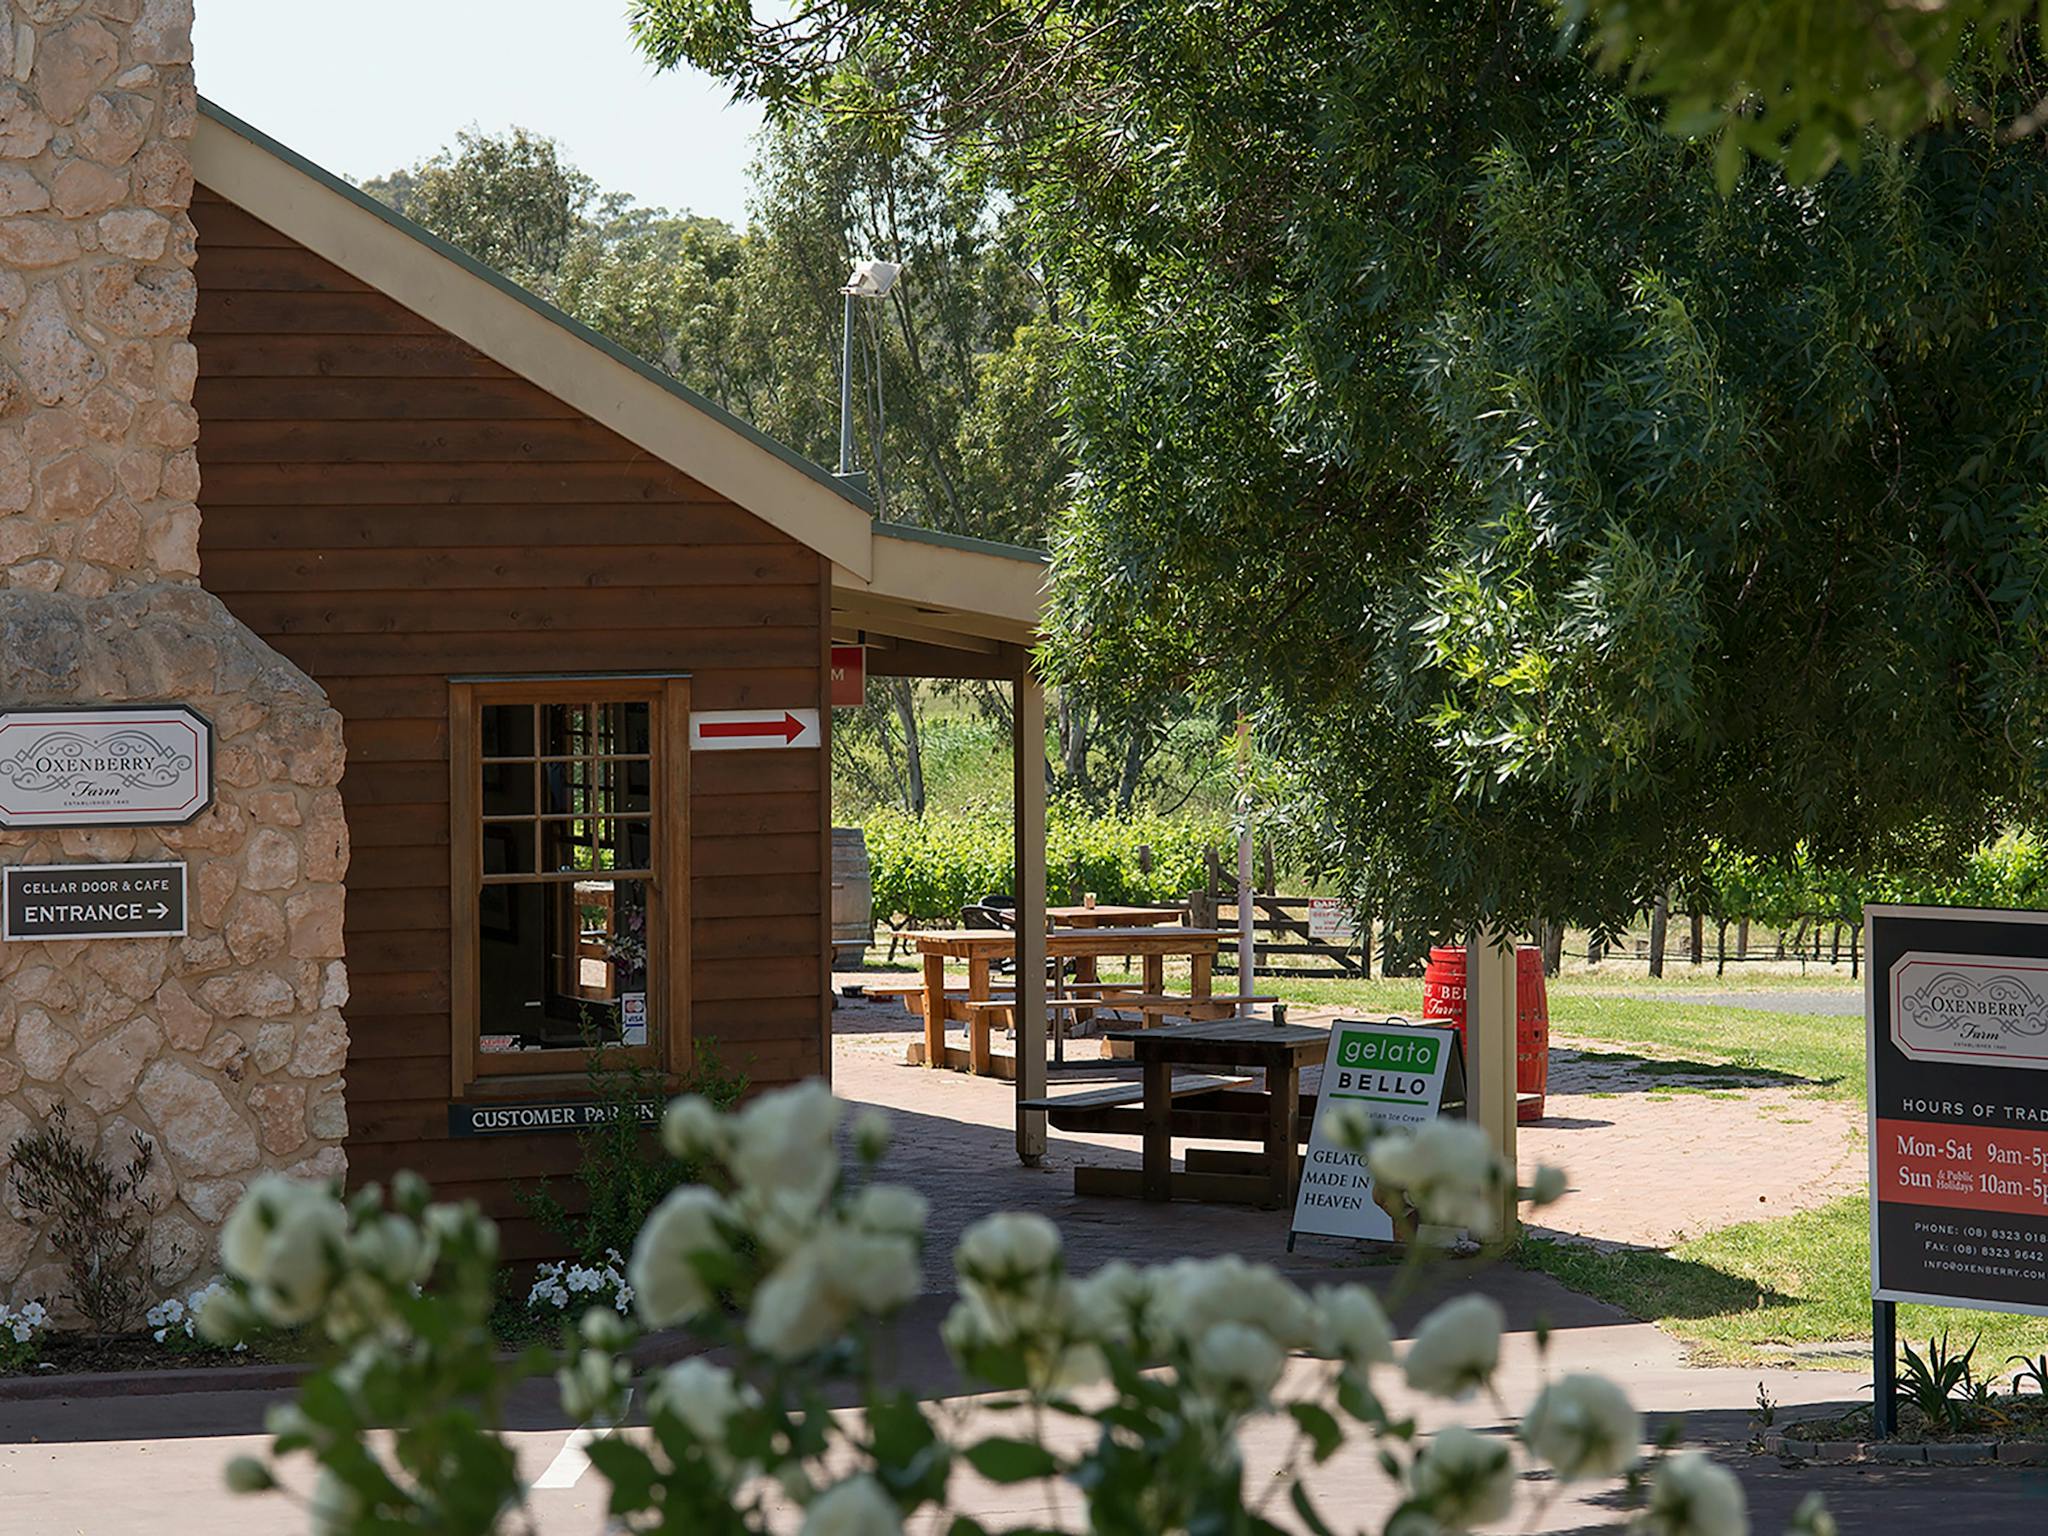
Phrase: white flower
(591,1385)
(1464,1479)
(1191,1296)
(393,1249)
(1236,1362)
(1447,1168)
(782,1143)
(797,1309)
(876,1271)
(704,1396)
(666,1286)
(871,1133)
(1008,1250)
(890,1208)
(856,1507)
(335,1507)
(1114,1303)
(283,1239)
(1811,1518)
(1549,1185)
(1692,1496)
(1584,1426)
(1349,1126)
(692,1129)
(1456,1348)
(1352,1326)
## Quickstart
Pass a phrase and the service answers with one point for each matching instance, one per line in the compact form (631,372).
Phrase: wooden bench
(1082,1111)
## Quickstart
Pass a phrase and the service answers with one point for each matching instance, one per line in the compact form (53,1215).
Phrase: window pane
(635,728)
(563,961)
(562,785)
(508,789)
(606,787)
(623,786)
(566,729)
(508,848)
(507,730)
(588,843)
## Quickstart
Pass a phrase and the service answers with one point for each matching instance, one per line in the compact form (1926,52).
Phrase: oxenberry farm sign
(127,765)
(1957,1012)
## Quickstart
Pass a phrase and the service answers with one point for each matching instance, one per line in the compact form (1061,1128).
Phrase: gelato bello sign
(1958,1087)
(129,765)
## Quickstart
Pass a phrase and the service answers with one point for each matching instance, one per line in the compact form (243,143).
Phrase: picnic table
(982,947)
(1114,917)
(1215,1109)
(1086,970)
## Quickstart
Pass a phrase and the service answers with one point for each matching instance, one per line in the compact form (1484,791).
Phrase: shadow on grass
(1631,1072)
(1648,1283)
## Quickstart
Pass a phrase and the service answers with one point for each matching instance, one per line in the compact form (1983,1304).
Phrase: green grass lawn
(1820,1051)
(1773,1291)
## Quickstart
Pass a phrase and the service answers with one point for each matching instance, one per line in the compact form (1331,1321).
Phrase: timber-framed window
(569,876)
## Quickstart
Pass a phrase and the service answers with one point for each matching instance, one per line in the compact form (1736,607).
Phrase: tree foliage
(1567,515)
(1803,83)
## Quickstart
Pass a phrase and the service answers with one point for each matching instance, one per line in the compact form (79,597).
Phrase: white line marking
(572,1461)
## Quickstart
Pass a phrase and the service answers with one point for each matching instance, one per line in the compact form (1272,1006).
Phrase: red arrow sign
(745,730)
(788,728)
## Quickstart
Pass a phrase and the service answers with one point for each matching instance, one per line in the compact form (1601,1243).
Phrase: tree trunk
(913,752)
(1699,938)
(1835,946)
(1073,732)
(1660,921)
(1742,939)
(1362,933)
(1595,947)
(1266,875)
(1855,948)
(1136,750)
(1553,947)
(1721,948)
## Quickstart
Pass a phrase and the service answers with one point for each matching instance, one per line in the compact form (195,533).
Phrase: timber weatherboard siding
(389,508)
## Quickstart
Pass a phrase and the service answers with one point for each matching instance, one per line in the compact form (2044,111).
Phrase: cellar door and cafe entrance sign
(1956,1006)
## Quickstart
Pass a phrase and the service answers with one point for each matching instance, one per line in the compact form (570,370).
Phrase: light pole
(870,279)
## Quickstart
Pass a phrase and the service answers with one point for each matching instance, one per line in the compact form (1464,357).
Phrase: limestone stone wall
(225,1048)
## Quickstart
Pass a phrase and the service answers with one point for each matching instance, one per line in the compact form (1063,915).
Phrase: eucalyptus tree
(1564,512)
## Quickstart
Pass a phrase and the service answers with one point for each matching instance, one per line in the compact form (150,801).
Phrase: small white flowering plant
(1127,1387)
(174,1321)
(22,1330)
(559,1286)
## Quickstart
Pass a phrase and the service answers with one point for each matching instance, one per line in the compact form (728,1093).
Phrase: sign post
(1396,1072)
(1956,1014)
(92,901)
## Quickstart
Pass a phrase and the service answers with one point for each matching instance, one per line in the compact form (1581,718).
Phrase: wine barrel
(853,899)
(1532,1034)
(1443,1001)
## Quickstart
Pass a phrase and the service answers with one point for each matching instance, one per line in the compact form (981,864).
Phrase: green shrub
(928,869)
(619,1162)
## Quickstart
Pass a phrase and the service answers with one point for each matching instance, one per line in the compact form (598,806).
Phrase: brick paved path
(1652,1158)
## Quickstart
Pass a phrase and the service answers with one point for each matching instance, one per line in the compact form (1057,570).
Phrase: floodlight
(872,279)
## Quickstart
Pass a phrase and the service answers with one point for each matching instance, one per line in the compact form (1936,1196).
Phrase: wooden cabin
(578,621)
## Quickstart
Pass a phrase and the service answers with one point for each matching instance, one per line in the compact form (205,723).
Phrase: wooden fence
(1280,927)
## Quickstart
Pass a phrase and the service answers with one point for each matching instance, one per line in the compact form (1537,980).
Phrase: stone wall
(224,1048)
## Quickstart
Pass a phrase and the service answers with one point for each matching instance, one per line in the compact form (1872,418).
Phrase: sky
(364,88)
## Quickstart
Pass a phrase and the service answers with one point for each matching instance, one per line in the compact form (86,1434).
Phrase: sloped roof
(938,585)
